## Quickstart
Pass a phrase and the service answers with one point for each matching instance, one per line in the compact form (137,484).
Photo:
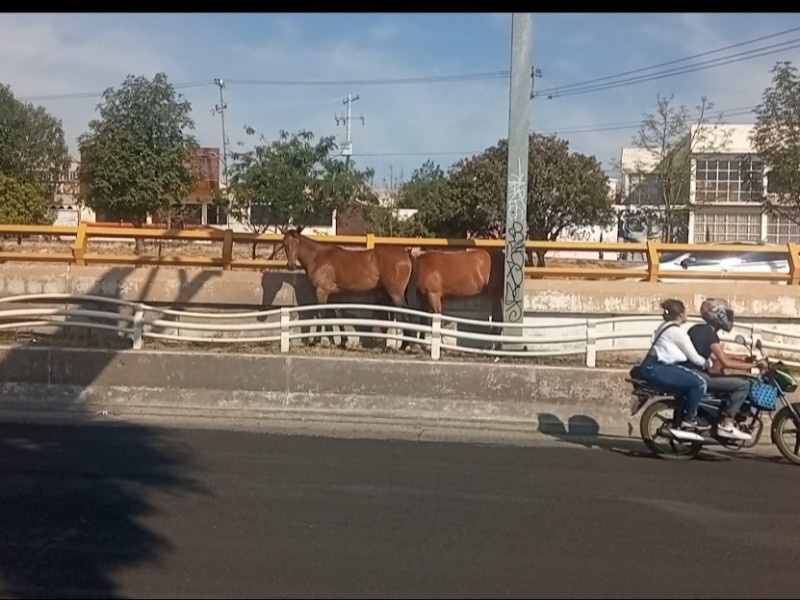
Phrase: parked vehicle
(718,261)
(768,393)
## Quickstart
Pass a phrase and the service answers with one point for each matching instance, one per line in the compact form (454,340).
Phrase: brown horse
(333,269)
(441,274)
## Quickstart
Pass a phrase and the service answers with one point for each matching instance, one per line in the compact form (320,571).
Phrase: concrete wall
(128,384)
(209,287)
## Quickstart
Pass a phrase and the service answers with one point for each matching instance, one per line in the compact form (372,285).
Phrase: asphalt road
(124,512)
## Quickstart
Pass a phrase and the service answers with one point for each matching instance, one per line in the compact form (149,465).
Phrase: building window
(727,227)
(781,230)
(216,215)
(643,189)
(729,180)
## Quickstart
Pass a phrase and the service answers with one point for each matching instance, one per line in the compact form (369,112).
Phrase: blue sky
(404,124)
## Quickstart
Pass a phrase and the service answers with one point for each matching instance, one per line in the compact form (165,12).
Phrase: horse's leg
(342,337)
(398,300)
(408,297)
(322,298)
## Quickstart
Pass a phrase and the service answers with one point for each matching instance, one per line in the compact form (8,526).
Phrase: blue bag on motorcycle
(763,395)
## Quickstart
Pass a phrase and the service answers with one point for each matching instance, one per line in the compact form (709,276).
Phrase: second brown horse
(439,274)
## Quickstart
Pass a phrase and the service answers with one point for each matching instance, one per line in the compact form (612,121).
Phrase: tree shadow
(75,490)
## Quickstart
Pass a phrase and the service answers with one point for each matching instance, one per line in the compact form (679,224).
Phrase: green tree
(776,138)
(566,191)
(426,192)
(136,158)
(23,203)
(668,138)
(32,146)
(292,180)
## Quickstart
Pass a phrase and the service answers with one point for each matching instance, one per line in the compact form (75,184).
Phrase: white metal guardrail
(139,321)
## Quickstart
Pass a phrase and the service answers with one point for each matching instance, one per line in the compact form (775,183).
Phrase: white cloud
(398,118)
(61,54)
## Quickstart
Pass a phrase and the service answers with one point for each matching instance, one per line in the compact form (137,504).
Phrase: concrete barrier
(352,397)
(497,397)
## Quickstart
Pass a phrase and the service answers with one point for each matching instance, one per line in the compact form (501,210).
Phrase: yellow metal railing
(83,233)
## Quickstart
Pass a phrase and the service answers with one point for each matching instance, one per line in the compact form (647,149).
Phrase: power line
(489,75)
(670,62)
(717,62)
(394,81)
(553,92)
(730,112)
(79,95)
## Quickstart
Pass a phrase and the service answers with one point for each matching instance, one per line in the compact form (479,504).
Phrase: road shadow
(584,430)
(76,488)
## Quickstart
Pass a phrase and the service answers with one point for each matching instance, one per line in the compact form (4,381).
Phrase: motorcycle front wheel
(653,426)
(786,434)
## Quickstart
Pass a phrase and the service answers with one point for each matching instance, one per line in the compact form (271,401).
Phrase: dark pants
(737,388)
(690,384)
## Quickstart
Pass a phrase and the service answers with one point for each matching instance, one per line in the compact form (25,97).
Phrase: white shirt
(675,346)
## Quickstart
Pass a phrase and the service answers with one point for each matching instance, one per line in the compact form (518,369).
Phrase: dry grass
(370,349)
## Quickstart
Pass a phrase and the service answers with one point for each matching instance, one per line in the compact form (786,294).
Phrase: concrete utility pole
(519,118)
(347,148)
(220,109)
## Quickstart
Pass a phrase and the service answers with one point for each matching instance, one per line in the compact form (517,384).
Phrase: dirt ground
(371,348)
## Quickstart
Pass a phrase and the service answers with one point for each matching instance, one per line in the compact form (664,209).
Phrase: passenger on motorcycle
(663,367)
(718,314)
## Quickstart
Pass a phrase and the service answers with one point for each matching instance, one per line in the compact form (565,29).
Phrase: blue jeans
(689,384)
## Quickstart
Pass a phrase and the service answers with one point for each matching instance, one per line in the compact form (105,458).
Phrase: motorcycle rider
(718,314)
(664,367)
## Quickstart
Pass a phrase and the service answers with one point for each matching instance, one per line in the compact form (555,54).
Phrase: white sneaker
(733,433)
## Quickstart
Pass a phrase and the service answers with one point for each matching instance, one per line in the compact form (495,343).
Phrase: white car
(727,262)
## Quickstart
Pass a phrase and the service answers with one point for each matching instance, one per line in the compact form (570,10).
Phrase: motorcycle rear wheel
(657,416)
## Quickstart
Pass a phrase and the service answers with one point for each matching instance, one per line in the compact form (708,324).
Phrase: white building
(726,190)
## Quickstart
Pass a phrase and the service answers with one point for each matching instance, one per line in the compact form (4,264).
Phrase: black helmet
(717,313)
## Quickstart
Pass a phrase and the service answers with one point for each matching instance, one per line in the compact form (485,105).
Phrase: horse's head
(291,244)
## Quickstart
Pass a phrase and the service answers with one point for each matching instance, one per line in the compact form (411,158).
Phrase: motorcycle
(768,390)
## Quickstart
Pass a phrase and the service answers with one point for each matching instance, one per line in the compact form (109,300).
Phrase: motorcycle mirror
(740,339)
(758,344)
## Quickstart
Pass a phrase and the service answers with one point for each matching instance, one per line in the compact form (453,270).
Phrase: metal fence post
(591,343)
(436,336)
(137,336)
(285,322)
